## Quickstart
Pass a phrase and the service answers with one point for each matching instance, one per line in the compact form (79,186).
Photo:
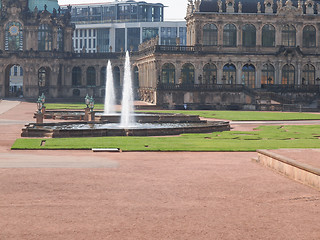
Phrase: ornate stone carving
(240,7)
(288,9)
(220,5)
(230,6)
(259,7)
(309,7)
(268,5)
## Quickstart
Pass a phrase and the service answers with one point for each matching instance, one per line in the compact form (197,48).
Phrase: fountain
(109,100)
(110,123)
(127,117)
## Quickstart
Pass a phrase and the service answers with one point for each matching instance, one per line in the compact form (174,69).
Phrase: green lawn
(228,115)
(249,115)
(267,137)
(73,106)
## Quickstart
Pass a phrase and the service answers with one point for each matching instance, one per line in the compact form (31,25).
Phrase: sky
(176,9)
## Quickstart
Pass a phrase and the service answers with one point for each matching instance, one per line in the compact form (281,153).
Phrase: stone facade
(246,50)
(40,42)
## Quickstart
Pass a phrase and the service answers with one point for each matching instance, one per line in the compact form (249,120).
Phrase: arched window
(168,73)
(91,76)
(210,35)
(289,36)
(268,36)
(187,73)
(60,41)
(229,74)
(209,74)
(136,83)
(43,77)
(267,74)
(230,35)
(288,75)
(103,72)
(116,76)
(14,37)
(249,35)
(308,75)
(249,75)
(309,36)
(76,76)
(45,37)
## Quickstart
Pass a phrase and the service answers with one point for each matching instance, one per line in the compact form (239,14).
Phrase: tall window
(43,77)
(230,35)
(309,36)
(14,37)
(76,76)
(308,75)
(249,35)
(91,76)
(103,72)
(267,74)
(45,38)
(116,76)
(288,75)
(229,74)
(249,75)
(210,35)
(289,36)
(209,73)
(60,39)
(268,36)
(168,73)
(136,83)
(187,73)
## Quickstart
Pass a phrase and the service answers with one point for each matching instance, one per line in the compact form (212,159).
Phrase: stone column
(258,75)
(278,35)
(239,73)
(219,72)
(83,75)
(68,45)
(299,35)
(298,81)
(55,38)
(98,76)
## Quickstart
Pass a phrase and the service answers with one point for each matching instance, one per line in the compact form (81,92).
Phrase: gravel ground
(86,195)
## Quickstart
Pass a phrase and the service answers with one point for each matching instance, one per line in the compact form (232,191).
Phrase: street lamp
(39,105)
(43,98)
(87,100)
(91,104)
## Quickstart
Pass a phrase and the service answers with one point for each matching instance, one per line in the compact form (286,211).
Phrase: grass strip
(247,115)
(227,115)
(267,137)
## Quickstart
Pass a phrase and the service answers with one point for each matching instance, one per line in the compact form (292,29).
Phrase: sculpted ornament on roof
(288,9)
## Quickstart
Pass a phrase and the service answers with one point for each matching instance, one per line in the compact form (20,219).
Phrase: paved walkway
(86,195)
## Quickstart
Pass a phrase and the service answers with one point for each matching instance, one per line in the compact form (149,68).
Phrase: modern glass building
(121,26)
(124,11)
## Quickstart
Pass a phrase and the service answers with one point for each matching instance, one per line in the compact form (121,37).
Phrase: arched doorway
(14,81)
(43,80)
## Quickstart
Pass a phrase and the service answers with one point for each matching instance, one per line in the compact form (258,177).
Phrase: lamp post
(91,106)
(43,100)
(86,110)
(39,114)
(87,100)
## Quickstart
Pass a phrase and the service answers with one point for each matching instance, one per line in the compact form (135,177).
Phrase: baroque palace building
(238,55)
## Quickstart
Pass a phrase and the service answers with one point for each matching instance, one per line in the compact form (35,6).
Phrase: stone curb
(293,169)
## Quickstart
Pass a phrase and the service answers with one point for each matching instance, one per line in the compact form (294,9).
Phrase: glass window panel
(229,36)
(268,36)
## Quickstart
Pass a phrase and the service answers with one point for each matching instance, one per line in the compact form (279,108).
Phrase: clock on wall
(14,30)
